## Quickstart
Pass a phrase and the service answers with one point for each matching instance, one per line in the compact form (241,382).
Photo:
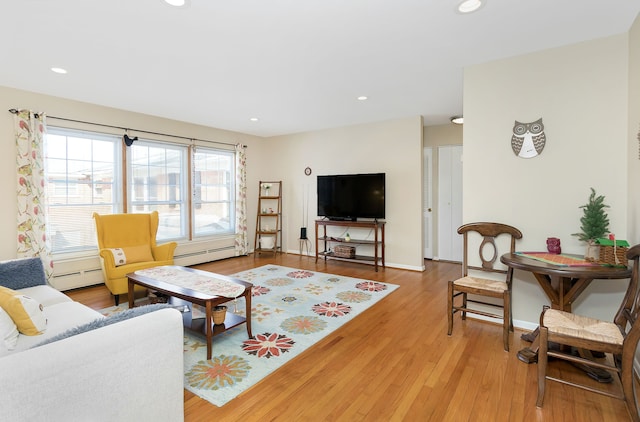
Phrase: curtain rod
(15,111)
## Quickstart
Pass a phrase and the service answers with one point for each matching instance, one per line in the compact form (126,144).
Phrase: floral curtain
(30,129)
(241,244)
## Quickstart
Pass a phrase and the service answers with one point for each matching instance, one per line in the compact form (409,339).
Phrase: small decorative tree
(594,222)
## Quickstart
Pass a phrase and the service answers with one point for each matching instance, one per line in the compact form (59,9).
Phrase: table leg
(247,301)
(131,292)
(530,337)
(600,375)
(530,354)
(209,322)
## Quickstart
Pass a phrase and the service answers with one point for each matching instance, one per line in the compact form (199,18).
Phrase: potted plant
(594,223)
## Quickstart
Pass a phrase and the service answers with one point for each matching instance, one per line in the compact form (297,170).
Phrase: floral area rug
(292,310)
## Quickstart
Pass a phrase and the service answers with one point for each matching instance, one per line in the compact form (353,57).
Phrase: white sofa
(124,370)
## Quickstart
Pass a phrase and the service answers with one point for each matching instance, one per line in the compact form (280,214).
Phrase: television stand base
(326,245)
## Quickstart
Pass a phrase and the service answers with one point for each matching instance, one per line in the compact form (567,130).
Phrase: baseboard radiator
(76,272)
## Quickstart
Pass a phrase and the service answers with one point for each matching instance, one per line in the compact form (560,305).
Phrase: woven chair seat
(481,283)
(582,327)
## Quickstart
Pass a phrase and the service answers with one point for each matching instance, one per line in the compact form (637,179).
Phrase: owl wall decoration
(528,139)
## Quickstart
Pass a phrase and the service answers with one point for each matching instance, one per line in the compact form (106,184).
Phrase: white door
(449,202)
(427,210)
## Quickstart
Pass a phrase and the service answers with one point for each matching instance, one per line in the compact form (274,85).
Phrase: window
(214,192)
(157,182)
(82,173)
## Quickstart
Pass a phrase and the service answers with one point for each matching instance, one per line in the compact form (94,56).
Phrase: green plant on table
(594,222)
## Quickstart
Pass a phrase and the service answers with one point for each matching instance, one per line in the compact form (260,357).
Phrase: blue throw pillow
(103,322)
(23,272)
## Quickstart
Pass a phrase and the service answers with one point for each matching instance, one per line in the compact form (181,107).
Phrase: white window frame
(228,184)
(82,223)
(170,228)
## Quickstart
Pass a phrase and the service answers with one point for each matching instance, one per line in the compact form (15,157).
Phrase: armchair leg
(117,299)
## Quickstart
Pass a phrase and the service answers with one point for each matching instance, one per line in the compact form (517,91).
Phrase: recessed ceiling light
(59,70)
(177,3)
(468,6)
(457,120)
(363,98)
(254,119)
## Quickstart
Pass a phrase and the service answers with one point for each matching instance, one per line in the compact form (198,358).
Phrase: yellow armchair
(127,243)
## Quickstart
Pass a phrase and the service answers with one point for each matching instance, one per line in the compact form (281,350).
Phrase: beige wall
(633,135)
(581,92)
(393,147)
(439,135)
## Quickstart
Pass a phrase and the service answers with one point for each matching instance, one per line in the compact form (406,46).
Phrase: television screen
(351,196)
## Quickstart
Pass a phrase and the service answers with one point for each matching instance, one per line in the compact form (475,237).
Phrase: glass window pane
(77,185)
(158,177)
(213,194)
(212,219)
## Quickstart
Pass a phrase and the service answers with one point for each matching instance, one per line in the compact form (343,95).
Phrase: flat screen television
(351,196)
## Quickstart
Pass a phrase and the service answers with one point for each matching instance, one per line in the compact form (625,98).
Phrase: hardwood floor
(395,362)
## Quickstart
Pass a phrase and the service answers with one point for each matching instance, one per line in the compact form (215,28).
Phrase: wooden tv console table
(377,243)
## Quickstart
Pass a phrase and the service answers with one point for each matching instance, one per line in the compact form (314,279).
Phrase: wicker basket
(610,255)
(219,314)
(343,251)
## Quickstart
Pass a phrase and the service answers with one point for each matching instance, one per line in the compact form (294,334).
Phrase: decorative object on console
(266,187)
(553,245)
(344,251)
(612,252)
(219,314)
(594,224)
(528,139)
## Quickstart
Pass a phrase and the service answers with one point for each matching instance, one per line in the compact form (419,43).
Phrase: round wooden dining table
(561,284)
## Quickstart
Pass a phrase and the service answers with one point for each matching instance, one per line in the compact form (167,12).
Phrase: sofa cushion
(119,257)
(8,332)
(45,295)
(23,272)
(60,318)
(25,311)
(102,322)
(140,253)
(131,255)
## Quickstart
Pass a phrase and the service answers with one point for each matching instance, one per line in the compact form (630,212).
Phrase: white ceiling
(297,65)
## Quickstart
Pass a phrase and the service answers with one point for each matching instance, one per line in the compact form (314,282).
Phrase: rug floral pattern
(291,311)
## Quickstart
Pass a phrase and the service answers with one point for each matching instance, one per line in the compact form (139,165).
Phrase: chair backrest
(121,230)
(629,309)
(489,232)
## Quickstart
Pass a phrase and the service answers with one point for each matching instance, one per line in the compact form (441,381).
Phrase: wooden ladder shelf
(269,218)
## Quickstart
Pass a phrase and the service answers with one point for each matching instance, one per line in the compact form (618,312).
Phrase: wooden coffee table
(192,286)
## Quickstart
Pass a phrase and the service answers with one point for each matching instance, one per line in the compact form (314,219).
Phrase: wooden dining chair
(618,338)
(485,280)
